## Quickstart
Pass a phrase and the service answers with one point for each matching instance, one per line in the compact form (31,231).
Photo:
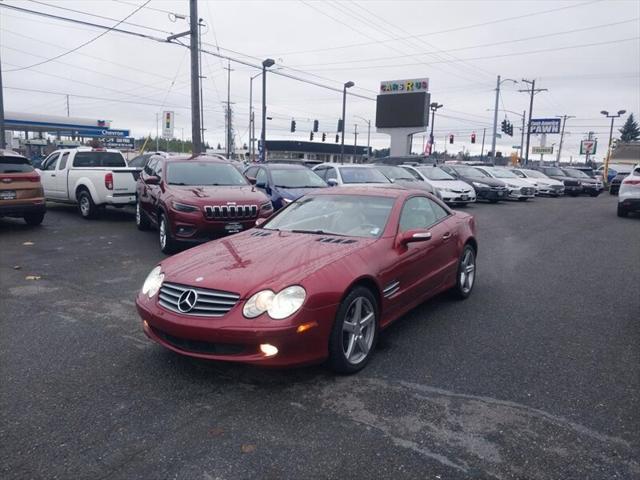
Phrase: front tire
(142,222)
(355,332)
(523,199)
(86,207)
(594,194)
(466,276)
(34,219)
(167,243)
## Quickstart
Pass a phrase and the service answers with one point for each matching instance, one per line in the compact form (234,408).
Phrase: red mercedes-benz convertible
(317,281)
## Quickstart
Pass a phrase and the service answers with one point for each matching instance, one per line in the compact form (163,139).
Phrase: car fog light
(268,350)
(306,326)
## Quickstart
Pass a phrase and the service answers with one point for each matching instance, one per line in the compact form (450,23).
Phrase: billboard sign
(126,143)
(544,125)
(167,125)
(402,111)
(588,147)
(542,150)
(392,87)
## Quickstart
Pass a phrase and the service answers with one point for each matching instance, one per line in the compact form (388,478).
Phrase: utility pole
(266,63)
(605,172)
(200,77)
(2,135)
(532,92)
(196,126)
(157,135)
(484,132)
(67,106)
(355,141)
(564,122)
(348,84)
(524,115)
(587,160)
(495,117)
(434,106)
(229,139)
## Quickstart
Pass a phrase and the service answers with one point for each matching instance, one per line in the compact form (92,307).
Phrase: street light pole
(349,84)
(368,133)
(495,116)
(252,119)
(605,173)
(434,106)
(532,92)
(269,62)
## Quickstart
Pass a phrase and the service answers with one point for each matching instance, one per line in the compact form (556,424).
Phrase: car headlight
(479,185)
(510,185)
(286,201)
(579,182)
(183,207)
(153,282)
(278,306)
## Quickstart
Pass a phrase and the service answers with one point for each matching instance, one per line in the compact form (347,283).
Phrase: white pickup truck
(89,177)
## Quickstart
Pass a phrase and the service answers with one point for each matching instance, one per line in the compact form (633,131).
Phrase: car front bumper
(518,193)
(234,338)
(121,199)
(490,193)
(457,197)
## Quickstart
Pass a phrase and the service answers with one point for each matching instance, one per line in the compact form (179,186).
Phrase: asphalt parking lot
(536,376)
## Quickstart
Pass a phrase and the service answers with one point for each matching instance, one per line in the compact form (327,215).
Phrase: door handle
(53,174)
(446,235)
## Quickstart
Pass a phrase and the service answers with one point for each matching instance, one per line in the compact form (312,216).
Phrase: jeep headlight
(278,306)
(153,282)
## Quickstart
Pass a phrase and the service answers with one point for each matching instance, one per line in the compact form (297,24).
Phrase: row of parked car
(189,200)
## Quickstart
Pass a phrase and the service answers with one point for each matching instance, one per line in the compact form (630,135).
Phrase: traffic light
(315,125)
(293,126)
(311,136)
(473,137)
(451,138)
(340,125)
(337,138)
(503,127)
(324,137)
(511,129)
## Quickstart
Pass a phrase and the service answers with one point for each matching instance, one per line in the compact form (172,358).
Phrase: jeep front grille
(230,212)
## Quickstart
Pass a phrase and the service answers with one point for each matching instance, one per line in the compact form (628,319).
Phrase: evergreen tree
(630,131)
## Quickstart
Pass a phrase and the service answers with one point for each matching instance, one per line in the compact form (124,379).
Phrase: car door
(48,174)
(59,188)
(422,267)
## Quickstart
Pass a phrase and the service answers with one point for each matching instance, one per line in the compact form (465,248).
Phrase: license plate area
(233,227)
(8,195)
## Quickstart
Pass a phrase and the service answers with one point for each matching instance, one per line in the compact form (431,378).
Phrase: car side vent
(260,234)
(335,240)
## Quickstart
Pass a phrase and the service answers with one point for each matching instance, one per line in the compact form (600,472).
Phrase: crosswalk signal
(311,136)
(451,138)
(293,126)
(315,125)
(324,137)
(473,137)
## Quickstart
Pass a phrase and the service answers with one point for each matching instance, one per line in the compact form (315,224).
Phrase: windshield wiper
(316,232)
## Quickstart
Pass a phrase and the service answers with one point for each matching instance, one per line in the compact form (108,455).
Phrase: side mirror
(411,236)
(252,180)
(151,180)
(332,182)
(259,185)
(260,221)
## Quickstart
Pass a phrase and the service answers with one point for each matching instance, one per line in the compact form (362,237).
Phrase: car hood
(453,184)
(257,259)
(518,182)
(565,179)
(547,181)
(217,194)
(295,193)
(492,182)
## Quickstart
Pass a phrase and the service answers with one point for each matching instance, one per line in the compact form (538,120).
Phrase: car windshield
(139,161)
(534,174)
(555,171)
(575,173)
(196,173)
(434,173)
(362,175)
(502,173)
(99,159)
(471,172)
(11,164)
(395,173)
(346,215)
(296,178)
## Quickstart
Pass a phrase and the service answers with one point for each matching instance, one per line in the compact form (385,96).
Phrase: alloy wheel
(358,330)
(467,270)
(138,214)
(84,206)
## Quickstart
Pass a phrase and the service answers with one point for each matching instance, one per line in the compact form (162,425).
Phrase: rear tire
(622,212)
(493,200)
(355,332)
(523,199)
(466,275)
(86,207)
(34,219)
(167,243)
(142,222)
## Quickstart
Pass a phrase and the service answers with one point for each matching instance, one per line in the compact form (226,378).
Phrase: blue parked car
(283,183)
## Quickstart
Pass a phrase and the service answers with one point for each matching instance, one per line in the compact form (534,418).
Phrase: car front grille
(196,301)
(527,191)
(557,187)
(498,189)
(230,212)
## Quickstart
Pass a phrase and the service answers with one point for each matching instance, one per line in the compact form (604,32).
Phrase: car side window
(438,211)
(50,163)
(519,173)
(261,177)
(414,173)
(150,166)
(251,172)
(321,172)
(417,213)
(63,161)
(158,168)
(332,174)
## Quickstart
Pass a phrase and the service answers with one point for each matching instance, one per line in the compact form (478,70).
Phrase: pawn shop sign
(588,147)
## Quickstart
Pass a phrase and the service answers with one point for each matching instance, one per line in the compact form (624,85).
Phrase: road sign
(544,125)
(542,150)
(392,87)
(588,147)
(126,143)
(167,125)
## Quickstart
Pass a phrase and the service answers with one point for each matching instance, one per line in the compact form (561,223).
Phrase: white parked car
(350,175)
(89,177)
(519,188)
(629,195)
(452,190)
(546,185)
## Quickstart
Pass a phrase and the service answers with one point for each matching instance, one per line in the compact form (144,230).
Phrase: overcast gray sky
(586,53)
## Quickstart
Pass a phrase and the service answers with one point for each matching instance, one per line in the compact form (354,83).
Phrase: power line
(168,12)
(83,44)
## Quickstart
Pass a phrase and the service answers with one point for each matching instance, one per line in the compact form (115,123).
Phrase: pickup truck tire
(167,243)
(142,222)
(86,207)
(34,219)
